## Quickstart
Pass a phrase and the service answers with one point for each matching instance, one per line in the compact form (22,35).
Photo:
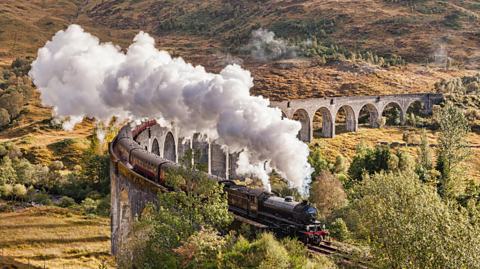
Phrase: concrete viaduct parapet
(328,107)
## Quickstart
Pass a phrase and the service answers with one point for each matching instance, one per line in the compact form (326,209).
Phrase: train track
(327,250)
(323,249)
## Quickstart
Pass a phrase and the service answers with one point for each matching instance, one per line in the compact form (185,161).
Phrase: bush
(338,229)
(12,102)
(19,191)
(89,205)
(66,202)
(4,117)
(6,208)
(103,207)
(42,198)
(6,191)
(381,122)
(69,215)
(95,195)
(31,192)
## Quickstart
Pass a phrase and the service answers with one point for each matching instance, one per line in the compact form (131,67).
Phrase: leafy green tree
(424,159)
(6,191)
(453,148)
(408,225)
(25,171)
(7,172)
(339,230)
(195,203)
(394,117)
(267,252)
(89,205)
(316,160)
(341,165)
(405,161)
(19,191)
(369,160)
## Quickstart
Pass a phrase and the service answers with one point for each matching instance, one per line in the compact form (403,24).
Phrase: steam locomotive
(282,215)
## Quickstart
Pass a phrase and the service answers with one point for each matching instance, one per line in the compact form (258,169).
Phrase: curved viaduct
(131,192)
(329,107)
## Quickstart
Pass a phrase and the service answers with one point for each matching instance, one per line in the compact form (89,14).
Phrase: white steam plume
(80,77)
(264,46)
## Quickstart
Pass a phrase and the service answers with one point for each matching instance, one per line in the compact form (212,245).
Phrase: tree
(408,225)
(338,229)
(4,117)
(341,165)
(25,171)
(19,191)
(195,203)
(453,148)
(7,172)
(327,194)
(424,159)
(369,161)
(316,160)
(12,102)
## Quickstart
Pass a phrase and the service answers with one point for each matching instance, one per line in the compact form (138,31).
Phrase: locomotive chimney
(305,202)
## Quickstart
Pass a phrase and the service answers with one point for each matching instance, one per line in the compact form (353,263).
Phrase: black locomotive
(282,215)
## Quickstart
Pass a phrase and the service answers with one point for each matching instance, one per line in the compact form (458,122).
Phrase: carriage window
(252,199)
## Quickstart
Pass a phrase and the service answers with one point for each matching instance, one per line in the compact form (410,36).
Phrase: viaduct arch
(304,110)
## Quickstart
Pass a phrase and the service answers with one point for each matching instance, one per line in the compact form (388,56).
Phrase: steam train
(283,216)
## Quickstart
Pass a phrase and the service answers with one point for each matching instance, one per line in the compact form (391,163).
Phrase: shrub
(66,202)
(12,102)
(6,208)
(95,195)
(338,229)
(69,215)
(6,191)
(381,122)
(42,198)
(89,205)
(31,192)
(103,207)
(19,191)
(4,117)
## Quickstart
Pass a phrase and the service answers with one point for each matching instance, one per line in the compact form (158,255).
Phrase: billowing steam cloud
(80,77)
(264,46)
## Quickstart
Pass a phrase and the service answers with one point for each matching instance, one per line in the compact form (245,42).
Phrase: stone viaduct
(130,192)
(306,109)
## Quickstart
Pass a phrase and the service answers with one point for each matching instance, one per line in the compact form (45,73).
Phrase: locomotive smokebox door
(253,205)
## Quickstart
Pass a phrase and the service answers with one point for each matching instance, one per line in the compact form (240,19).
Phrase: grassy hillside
(60,237)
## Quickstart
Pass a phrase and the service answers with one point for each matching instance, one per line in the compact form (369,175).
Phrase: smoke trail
(264,46)
(80,77)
